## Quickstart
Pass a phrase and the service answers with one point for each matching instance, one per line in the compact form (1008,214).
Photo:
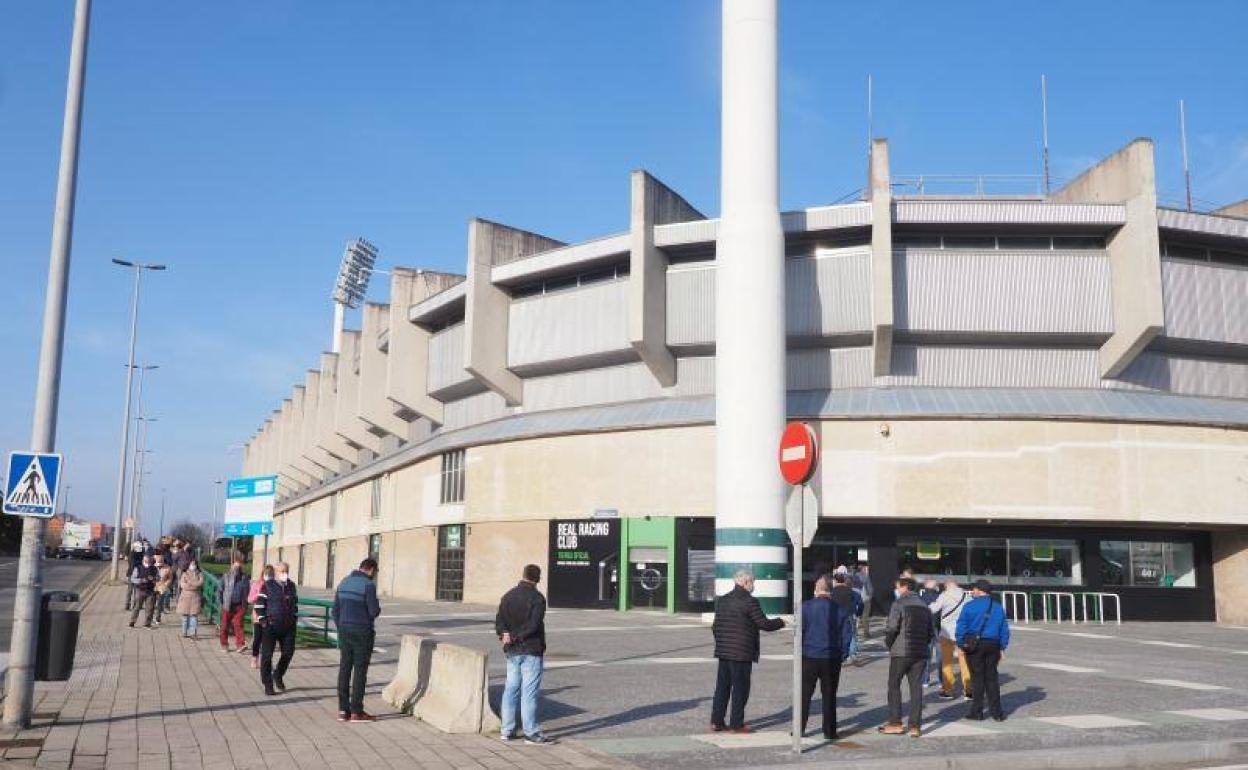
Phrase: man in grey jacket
(908,634)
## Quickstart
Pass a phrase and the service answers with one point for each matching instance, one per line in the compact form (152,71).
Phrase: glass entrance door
(450,586)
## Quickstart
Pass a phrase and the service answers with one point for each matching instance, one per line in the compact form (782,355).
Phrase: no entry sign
(799,453)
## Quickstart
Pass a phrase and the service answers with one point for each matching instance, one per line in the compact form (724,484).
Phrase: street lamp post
(216,496)
(162,514)
(138,268)
(20,682)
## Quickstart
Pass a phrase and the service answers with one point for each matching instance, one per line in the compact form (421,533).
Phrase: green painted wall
(652,532)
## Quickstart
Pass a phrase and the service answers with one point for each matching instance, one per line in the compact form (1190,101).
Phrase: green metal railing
(314,626)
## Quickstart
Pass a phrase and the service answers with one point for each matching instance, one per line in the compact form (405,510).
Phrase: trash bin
(58,636)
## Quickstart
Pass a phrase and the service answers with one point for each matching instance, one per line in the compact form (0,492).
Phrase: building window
(1004,561)
(374,506)
(374,547)
(333,511)
(1148,564)
(450,576)
(453,477)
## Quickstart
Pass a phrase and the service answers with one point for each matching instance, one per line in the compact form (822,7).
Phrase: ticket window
(647,578)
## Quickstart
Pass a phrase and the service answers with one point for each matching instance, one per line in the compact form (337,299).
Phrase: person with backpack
(983,633)
(232,599)
(945,611)
(277,607)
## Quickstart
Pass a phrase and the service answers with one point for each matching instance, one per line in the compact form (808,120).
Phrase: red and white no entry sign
(799,453)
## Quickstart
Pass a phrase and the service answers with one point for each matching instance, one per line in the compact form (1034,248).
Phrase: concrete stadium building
(1050,391)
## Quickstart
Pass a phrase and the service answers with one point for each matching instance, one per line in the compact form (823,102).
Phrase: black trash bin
(58,636)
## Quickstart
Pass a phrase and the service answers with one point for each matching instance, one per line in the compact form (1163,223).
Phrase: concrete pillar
(1234,210)
(1230,575)
(407,361)
(1128,176)
(487,307)
(318,428)
(327,412)
(749,315)
(373,407)
(290,439)
(880,195)
(346,406)
(316,462)
(653,203)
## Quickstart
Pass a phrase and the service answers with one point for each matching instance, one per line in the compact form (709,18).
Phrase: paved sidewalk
(151,699)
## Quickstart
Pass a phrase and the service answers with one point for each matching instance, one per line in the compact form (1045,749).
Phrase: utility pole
(20,682)
(162,513)
(1044,119)
(1187,174)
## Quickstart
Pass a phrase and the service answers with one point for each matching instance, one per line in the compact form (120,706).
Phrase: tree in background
(190,532)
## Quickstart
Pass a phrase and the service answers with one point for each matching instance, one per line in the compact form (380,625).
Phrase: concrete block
(444,685)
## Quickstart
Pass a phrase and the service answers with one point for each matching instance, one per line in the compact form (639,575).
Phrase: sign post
(799,457)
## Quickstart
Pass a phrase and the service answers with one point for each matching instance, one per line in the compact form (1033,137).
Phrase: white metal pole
(749,316)
(340,314)
(120,500)
(20,682)
(1187,175)
(797,622)
(1044,119)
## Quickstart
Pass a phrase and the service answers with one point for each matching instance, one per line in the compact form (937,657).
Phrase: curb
(1175,753)
(88,594)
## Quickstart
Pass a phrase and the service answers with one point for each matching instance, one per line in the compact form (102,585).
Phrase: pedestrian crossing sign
(31,486)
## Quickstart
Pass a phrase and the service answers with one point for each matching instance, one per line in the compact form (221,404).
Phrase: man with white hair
(738,619)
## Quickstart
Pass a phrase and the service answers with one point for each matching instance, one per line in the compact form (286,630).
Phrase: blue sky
(243,143)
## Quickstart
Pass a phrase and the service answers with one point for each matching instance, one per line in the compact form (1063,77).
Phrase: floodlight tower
(357,267)
(749,311)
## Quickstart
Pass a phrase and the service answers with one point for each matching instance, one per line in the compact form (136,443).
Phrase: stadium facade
(1048,390)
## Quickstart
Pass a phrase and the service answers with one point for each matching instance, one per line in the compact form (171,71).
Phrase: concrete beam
(319,427)
(290,438)
(346,406)
(487,307)
(327,416)
(880,195)
(407,360)
(315,461)
(1129,177)
(653,203)
(1234,210)
(373,407)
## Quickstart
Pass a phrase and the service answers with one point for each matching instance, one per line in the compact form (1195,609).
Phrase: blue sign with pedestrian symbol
(31,486)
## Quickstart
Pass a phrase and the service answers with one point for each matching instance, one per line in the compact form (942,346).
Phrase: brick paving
(151,699)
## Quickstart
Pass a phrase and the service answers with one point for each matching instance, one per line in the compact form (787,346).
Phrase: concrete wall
(346,406)
(879,193)
(1128,176)
(1230,575)
(409,563)
(496,554)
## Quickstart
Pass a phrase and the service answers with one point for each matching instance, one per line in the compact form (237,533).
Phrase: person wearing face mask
(277,607)
(907,634)
(190,599)
(355,610)
(143,578)
(738,619)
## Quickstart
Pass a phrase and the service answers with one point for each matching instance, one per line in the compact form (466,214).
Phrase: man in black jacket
(277,607)
(521,627)
(738,619)
(908,635)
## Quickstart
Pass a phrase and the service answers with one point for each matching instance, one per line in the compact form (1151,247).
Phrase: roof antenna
(870,116)
(1187,174)
(1044,119)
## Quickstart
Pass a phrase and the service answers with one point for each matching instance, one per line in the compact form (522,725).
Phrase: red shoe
(742,730)
(344,716)
(363,717)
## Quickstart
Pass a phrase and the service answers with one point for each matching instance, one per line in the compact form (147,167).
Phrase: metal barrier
(1099,599)
(1057,597)
(1011,601)
(314,623)
(211,609)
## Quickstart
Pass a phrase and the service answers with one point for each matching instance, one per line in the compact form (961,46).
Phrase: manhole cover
(21,743)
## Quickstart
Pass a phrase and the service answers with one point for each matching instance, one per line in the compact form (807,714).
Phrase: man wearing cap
(983,633)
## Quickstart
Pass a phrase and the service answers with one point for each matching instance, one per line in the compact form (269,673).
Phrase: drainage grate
(22,743)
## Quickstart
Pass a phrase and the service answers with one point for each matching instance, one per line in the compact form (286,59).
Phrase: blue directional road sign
(249,505)
(31,486)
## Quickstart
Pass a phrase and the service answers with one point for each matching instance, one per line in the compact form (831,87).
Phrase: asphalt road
(58,574)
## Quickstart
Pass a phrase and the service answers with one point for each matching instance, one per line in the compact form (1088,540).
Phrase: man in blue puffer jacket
(984,620)
(827,630)
(355,610)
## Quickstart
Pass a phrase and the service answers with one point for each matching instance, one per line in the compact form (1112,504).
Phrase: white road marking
(1184,685)
(1156,643)
(1215,715)
(1090,721)
(958,730)
(1085,635)
(1065,668)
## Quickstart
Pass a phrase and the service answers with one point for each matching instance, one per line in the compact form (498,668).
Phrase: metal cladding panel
(1008,212)
(1205,301)
(558,259)
(828,294)
(568,324)
(974,366)
(825,369)
(1003,291)
(1185,375)
(475,409)
(613,384)
(691,305)
(1207,224)
(446,358)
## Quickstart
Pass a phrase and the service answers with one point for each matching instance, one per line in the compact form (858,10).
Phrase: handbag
(970,642)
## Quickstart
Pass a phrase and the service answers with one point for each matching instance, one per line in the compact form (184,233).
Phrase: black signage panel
(584,563)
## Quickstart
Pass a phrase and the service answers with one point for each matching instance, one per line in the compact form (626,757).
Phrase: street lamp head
(122,262)
(156,267)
